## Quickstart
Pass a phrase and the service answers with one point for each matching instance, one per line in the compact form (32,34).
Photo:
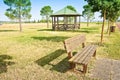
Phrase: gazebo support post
(52,22)
(54,27)
(67,22)
(64,25)
(75,21)
(58,23)
(79,22)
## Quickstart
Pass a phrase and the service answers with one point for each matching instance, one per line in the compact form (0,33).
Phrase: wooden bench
(83,56)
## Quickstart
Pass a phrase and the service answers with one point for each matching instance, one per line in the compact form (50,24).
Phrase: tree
(71,8)
(18,9)
(46,11)
(112,16)
(88,13)
(103,6)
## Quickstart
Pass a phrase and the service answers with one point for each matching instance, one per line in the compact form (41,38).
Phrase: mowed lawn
(38,53)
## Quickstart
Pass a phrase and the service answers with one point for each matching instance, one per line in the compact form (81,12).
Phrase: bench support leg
(94,55)
(83,45)
(70,55)
(84,68)
(72,65)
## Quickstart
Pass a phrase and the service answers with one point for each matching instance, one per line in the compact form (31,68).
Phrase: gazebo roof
(66,12)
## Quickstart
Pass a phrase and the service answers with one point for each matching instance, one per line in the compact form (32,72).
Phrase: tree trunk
(20,20)
(47,21)
(20,24)
(103,26)
(87,22)
(108,26)
(111,25)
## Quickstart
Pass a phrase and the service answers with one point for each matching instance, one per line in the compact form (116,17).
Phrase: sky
(55,5)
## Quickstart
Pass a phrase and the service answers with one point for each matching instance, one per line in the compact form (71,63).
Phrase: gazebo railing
(66,26)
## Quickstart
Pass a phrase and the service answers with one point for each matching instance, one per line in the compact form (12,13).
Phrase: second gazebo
(65,19)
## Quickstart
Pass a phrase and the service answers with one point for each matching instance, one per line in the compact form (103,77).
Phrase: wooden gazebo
(65,19)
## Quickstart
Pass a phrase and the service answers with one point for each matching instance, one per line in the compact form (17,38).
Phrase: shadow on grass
(8,30)
(89,30)
(45,30)
(45,60)
(4,62)
(32,28)
(62,66)
(53,38)
(84,30)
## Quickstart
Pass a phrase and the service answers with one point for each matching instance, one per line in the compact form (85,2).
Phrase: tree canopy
(46,11)
(18,9)
(88,14)
(71,8)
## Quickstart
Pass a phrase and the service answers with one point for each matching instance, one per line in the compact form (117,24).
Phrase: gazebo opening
(65,19)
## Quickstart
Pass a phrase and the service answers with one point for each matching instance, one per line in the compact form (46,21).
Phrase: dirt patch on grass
(106,69)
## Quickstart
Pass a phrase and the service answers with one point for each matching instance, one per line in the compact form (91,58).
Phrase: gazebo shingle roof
(66,12)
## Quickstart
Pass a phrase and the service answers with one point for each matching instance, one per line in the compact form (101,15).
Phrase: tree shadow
(89,30)
(32,28)
(83,30)
(53,38)
(47,59)
(45,30)
(4,62)
(8,30)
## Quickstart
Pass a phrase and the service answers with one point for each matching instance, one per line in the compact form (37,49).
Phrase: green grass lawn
(38,53)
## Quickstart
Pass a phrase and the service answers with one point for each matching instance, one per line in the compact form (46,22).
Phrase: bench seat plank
(84,55)
(89,56)
(83,51)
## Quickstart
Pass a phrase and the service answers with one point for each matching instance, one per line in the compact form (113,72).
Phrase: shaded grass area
(90,30)
(47,59)
(8,30)
(62,66)
(4,62)
(53,38)
(45,30)
(83,30)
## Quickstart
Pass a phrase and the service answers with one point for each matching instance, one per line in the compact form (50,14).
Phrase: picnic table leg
(84,68)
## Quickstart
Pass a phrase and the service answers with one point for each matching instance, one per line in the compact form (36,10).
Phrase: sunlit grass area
(38,53)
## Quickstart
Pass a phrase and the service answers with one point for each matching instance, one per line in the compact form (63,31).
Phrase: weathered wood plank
(79,54)
(74,42)
(89,56)
(82,58)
